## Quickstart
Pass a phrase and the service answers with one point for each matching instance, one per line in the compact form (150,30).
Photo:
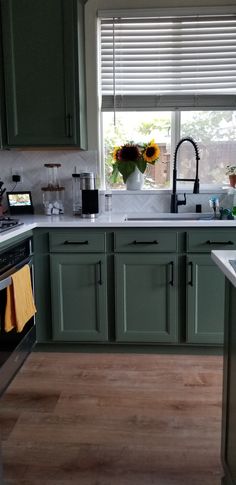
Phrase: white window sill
(180,190)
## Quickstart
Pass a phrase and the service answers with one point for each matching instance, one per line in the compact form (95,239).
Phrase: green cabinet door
(146,304)
(79,301)
(43,70)
(205,301)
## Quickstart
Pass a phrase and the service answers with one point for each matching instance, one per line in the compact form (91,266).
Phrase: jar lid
(52,189)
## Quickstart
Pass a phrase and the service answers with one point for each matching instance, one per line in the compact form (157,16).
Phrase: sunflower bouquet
(130,155)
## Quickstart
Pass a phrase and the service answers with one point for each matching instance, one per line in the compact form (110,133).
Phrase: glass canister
(53,193)
(53,200)
(53,180)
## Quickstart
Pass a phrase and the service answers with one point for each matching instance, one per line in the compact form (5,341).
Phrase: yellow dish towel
(20,305)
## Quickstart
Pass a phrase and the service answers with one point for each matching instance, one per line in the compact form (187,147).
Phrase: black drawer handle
(190,270)
(220,242)
(75,242)
(100,273)
(69,125)
(171,266)
(145,242)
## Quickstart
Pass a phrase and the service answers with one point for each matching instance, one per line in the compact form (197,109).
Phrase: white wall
(35,174)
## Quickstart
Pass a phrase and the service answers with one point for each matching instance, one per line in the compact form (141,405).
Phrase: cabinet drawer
(147,241)
(77,242)
(206,241)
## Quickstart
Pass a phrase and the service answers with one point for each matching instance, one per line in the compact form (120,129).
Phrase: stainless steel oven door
(14,347)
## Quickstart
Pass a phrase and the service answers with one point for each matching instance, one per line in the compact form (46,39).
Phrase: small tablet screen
(20,202)
(16,199)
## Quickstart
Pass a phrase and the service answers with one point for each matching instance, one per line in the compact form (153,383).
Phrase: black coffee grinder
(90,206)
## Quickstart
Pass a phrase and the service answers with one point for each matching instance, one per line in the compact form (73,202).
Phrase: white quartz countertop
(110,220)
(222,258)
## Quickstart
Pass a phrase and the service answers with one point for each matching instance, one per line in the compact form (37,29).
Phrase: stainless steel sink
(173,217)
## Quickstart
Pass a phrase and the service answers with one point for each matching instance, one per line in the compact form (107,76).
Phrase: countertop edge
(106,221)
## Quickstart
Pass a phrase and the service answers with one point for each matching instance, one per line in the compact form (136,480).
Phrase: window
(165,77)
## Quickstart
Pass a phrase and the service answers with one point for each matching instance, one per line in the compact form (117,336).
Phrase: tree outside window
(214,131)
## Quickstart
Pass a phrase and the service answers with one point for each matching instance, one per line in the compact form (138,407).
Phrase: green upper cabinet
(43,57)
(205,300)
(146,298)
(2,98)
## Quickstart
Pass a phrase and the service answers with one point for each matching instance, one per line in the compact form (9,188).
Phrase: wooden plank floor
(103,419)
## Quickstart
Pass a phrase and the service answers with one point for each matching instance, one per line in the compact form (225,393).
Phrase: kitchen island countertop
(222,258)
(228,436)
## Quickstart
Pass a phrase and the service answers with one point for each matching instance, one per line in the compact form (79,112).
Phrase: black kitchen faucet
(174,196)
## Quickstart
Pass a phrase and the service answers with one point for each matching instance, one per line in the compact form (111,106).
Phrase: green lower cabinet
(205,301)
(146,298)
(79,301)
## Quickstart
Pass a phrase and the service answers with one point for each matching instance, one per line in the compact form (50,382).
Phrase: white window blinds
(166,62)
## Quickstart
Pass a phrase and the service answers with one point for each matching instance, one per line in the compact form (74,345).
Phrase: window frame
(95,129)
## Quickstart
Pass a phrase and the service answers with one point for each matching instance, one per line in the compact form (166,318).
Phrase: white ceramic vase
(135,180)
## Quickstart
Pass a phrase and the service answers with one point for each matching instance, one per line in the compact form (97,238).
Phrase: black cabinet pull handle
(190,267)
(171,266)
(100,273)
(219,242)
(75,242)
(145,242)
(69,126)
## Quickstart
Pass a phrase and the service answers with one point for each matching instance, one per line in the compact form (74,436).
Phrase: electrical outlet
(16,178)
(17,175)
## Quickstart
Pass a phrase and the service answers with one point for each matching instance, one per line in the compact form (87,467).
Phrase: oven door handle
(7,279)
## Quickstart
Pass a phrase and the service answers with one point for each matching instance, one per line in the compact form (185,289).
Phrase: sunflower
(115,153)
(151,152)
(131,156)
(129,153)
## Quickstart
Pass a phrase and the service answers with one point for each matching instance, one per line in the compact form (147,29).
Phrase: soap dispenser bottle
(108,200)
(76,193)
